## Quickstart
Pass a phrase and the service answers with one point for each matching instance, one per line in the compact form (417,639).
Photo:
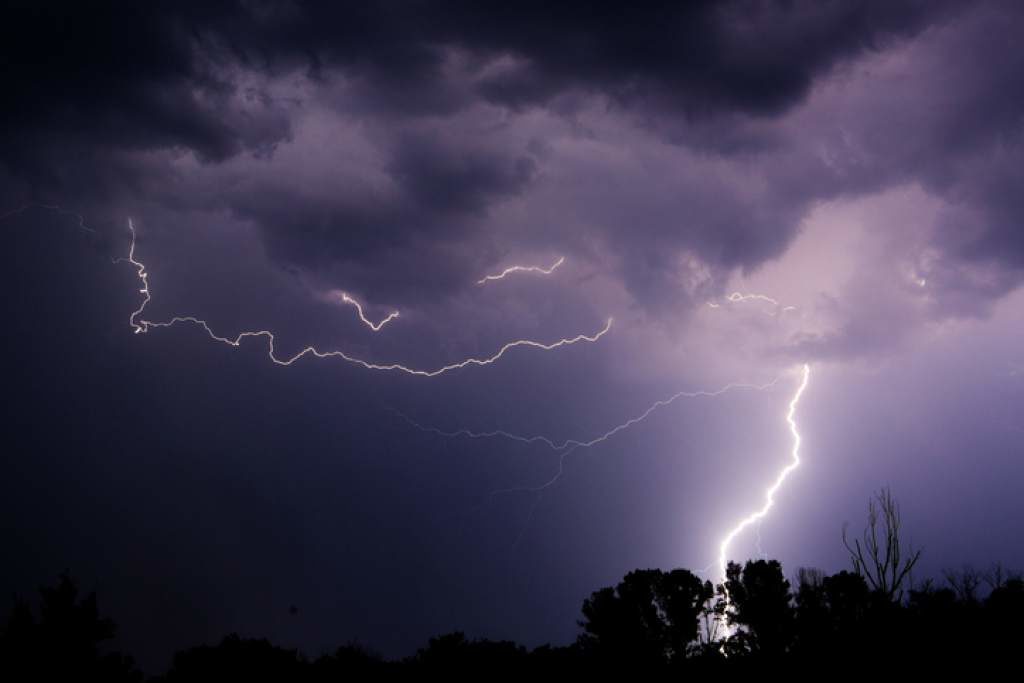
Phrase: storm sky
(860,165)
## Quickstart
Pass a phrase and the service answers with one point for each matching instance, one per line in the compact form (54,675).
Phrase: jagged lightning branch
(49,207)
(522,269)
(566,447)
(756,517)
(345,298)
(141,325)
(559,446)
(739,297)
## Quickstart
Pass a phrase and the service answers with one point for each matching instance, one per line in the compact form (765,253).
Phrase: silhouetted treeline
(651,620)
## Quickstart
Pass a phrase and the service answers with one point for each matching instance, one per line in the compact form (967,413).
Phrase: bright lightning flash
(522,269)
(141,325)
(756,517)
(345,298)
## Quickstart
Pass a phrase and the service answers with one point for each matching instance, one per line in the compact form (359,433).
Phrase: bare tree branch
(882,563)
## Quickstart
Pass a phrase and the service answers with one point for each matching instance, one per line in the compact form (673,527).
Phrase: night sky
(743,187)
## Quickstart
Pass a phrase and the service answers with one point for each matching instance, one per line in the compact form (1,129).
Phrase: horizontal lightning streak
(558,446)
(739,297)
(522,269)
(140,325)
(567,446)
(49,207)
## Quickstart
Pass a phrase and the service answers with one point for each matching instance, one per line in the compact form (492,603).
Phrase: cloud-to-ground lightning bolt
(567,446)
(141,325)
(345,298)
(522,269)
(769,499)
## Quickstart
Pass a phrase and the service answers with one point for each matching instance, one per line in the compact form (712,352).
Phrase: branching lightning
(756,517)
(345,298)
(522,269)
(564,448)
(141,325)
(569,445)
(562,445)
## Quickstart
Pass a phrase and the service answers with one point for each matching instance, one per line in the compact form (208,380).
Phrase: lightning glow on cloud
(141,325)
(522,269)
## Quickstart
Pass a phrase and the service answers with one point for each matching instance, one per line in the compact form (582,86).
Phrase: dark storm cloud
(447,181)
(124,76)
(945,114)
(954,122)
(93,87)
(697,57)
(434,191)
(701,57)
(363,242)
(160,76)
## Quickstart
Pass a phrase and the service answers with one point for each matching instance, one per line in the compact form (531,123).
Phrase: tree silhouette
(352,659)
(453,653)
(64,644)
(650,620)
(760,599)
(1004,615)
(879,555)
(832,613)
(650,617)
(236,659)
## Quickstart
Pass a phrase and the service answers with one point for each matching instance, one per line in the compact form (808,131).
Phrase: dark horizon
(651,621)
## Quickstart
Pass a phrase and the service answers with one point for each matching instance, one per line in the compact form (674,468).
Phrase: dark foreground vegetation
(653,621)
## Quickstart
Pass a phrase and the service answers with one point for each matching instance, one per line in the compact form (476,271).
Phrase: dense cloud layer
(155,76)
(679,136)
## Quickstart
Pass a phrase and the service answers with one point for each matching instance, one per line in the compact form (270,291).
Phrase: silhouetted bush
(237,659)
(64,643)
(650,618)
